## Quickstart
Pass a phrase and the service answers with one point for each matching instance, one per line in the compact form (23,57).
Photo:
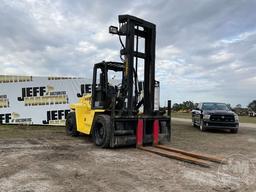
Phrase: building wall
(39,100)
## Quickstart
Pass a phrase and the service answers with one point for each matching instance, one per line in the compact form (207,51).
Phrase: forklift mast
(136,30)
(138,52)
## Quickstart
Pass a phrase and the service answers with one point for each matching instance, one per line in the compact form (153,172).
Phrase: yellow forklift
(126,113)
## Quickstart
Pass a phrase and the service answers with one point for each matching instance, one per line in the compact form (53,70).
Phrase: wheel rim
(101,132)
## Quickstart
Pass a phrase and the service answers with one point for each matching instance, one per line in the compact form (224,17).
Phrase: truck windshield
(215,106)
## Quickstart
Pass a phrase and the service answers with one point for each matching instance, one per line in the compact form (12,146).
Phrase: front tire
(202,127)
(102,131)
(193,123)
(71,128)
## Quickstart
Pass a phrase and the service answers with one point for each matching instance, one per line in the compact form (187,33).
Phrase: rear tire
(102,131)
(71,128)
(233,130)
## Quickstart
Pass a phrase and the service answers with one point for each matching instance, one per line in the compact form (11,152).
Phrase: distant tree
(188,105)
(252,105)
(229,106)
(238,106)
(184,106)
(176,107)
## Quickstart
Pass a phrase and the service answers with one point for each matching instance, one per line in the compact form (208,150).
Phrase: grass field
(243,119)
(17,131)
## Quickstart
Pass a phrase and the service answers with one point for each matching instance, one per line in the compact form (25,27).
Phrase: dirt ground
(45,159)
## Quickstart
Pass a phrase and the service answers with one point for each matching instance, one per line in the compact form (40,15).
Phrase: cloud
(205,49)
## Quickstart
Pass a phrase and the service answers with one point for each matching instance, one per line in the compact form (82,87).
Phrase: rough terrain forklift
(127,113)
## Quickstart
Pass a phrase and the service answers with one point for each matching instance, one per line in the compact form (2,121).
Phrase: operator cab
(104,88)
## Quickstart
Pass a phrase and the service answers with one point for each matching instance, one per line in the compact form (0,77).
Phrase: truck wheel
(193,123)
(71,128)
(233,130)
(102,131)
(202,127)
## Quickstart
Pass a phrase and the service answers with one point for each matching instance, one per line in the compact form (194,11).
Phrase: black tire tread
(234,131)
(71,123)
(203,128)
(105,121)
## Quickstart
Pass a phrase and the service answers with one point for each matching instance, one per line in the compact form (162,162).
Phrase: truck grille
(222,118)
(222,124)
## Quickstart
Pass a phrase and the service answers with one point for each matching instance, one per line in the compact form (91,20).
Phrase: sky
(205,49)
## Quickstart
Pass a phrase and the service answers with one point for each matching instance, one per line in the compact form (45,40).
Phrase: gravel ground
(45,159)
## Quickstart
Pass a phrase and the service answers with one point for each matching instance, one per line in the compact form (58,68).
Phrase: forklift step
(124,141)
(124,132)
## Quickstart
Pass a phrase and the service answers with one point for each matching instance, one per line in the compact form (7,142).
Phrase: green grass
(246,119)
(243,119)
(181,115)
(25,131)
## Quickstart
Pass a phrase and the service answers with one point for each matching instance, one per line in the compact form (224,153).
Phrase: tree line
(184,106)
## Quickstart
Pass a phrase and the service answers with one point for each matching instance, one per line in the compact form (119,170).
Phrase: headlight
(206,116)
(236,118)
